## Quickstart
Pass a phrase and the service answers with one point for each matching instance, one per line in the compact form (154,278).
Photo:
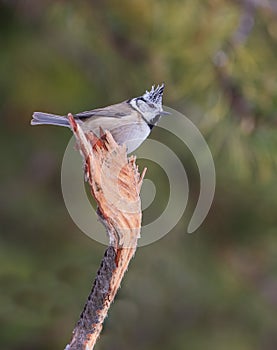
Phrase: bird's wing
(114,111)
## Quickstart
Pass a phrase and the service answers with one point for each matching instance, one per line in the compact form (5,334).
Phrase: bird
(130,122)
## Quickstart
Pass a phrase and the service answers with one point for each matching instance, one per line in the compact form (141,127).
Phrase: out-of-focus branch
(239,104)
(270,5)
(115,184)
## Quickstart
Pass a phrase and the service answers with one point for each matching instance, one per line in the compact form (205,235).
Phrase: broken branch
(115,184)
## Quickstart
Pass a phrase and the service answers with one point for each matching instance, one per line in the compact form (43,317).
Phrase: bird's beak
(164,113)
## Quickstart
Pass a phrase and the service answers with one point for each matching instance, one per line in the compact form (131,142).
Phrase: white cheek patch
(143,106)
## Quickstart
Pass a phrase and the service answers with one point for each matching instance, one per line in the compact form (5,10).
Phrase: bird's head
(150,104)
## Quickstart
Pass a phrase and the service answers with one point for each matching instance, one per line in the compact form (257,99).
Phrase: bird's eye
(151,105)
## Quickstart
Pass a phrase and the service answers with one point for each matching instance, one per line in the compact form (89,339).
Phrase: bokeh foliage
(215,289)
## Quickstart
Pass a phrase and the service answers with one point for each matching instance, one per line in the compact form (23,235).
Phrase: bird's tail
(46,118)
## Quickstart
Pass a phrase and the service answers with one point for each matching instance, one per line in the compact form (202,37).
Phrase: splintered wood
(115,184)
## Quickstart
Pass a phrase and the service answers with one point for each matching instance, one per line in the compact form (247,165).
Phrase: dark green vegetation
(215,289)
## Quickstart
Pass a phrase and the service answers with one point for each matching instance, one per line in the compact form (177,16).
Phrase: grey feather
(40,118)
(118,110)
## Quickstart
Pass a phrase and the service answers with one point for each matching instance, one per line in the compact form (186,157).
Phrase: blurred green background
(214,289)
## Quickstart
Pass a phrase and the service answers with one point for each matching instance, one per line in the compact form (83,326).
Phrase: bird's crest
(155,95)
